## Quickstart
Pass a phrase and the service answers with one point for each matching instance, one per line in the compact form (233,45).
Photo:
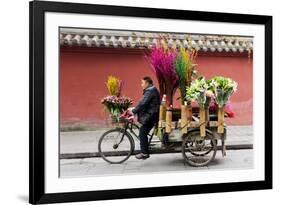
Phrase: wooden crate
(167,121)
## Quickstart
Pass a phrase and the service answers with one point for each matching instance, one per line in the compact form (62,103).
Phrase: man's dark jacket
(148,107)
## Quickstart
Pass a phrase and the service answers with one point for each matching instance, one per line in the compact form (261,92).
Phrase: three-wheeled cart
(196,133)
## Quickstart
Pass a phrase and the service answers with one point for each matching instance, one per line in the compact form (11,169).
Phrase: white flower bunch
(222,88)
(198,91)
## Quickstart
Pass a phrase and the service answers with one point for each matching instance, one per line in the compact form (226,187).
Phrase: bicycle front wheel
(116,146)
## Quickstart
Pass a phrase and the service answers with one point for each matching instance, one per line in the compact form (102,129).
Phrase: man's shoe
(142,156)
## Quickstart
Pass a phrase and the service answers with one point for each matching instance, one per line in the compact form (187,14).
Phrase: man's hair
(148,79)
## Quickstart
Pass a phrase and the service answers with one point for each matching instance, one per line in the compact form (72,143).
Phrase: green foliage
(184,69)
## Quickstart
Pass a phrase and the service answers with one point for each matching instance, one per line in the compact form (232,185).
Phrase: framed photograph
(130,102)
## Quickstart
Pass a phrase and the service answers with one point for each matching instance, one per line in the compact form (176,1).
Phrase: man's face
(144,84)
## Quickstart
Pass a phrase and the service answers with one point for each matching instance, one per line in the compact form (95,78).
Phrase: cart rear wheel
(205,152)
(199,151)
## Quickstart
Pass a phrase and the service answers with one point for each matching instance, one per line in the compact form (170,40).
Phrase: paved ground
(235,159)
(87,141)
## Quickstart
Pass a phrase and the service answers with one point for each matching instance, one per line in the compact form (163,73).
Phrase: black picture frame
(37,194)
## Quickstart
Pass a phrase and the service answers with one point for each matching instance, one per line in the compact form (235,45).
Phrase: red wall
(84,71)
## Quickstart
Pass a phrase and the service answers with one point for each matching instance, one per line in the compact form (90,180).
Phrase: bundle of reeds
(184,65)
(162,60)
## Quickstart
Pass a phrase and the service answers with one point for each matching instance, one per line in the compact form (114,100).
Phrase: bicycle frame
(129,125)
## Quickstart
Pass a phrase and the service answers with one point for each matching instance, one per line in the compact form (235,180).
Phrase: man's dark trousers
(144,131)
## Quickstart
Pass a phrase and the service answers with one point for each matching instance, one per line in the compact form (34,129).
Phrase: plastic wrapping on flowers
(198,91)
(220,88)
(223,88)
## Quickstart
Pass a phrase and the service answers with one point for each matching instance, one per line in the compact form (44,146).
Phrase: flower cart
(118,144)
(195,131)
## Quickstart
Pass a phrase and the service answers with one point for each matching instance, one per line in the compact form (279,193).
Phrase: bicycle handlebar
(127,116)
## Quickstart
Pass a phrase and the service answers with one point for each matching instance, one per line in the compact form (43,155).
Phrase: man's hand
(130,110)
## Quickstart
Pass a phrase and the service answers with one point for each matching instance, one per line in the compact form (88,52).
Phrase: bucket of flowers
(114,102)
(185,70)
(200,92)
(223,88)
